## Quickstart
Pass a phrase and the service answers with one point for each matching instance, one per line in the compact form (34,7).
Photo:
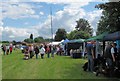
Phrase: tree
(110,19)
(60,34)
(48,40)
(83,30)
(71,35)
(77,35)
(5,41)
(39,39)
(31,37)
(28,40)
(81,34)
(83,25)
(14,42)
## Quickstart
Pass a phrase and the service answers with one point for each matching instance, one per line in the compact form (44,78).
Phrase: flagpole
(51,22)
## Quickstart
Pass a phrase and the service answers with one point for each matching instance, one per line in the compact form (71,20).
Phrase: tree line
(82,30)
(38,39)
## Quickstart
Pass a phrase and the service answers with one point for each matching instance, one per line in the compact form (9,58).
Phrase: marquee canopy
(112,37)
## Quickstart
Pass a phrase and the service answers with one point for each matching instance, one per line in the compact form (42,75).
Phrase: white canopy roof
(54,43)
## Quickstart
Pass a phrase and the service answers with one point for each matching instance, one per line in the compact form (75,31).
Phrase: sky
(20,18)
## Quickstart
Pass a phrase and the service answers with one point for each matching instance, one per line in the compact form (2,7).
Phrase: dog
(107,71)
(85,66)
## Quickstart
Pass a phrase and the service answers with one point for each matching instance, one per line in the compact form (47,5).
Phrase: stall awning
(98,37)
(77,40)
(64,41)
(54,43)
(113,36)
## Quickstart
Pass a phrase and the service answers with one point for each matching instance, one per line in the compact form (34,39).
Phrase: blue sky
(39,7)
(19,18)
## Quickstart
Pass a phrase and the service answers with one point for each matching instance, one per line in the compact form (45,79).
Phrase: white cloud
(1,30)
(1,22)
(93,17)
(10,33)
(17,10)
(58,1)
(11,36)
(67,18)
(1,18)
(41,13)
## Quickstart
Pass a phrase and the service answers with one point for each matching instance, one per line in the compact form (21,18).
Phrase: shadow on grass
(76,72)
(69,57)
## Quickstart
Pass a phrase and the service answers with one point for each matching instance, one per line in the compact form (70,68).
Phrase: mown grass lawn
(59,67)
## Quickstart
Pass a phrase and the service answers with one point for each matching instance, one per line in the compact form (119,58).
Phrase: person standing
(45,46)
(90,54)
(53,49)
(3,49)
(58,50)
(114,51)
(113,58)
(31,50)
(36,49)
(48,51)
(7,49)
(42,51)
(26,56)
(11,49)
(108,55)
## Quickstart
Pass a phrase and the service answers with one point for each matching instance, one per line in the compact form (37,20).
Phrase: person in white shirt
(7,49)
(113,58)
(42,51)
(114,51)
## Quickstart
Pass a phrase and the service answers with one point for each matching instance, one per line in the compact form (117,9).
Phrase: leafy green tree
(5,41)
(83,30)
(83,25)
(81,34)
(48,40)
(110,19)
(31,36)
(77,35)
(71,35)
(39,39)
(28,40)
(60,34)
(14,42)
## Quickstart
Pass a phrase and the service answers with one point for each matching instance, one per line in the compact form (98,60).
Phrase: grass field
(59,67)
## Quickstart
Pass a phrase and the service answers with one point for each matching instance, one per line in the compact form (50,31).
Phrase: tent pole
(103,47)
(97,44)
(83,49)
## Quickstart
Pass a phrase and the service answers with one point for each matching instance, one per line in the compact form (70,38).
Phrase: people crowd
(40,50)
(108,61)
(112,57)
(31,50)
(7,49)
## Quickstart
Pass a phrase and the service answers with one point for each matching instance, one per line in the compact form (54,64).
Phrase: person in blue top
(90,54)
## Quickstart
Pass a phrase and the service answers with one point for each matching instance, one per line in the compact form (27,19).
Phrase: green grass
(59,67)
